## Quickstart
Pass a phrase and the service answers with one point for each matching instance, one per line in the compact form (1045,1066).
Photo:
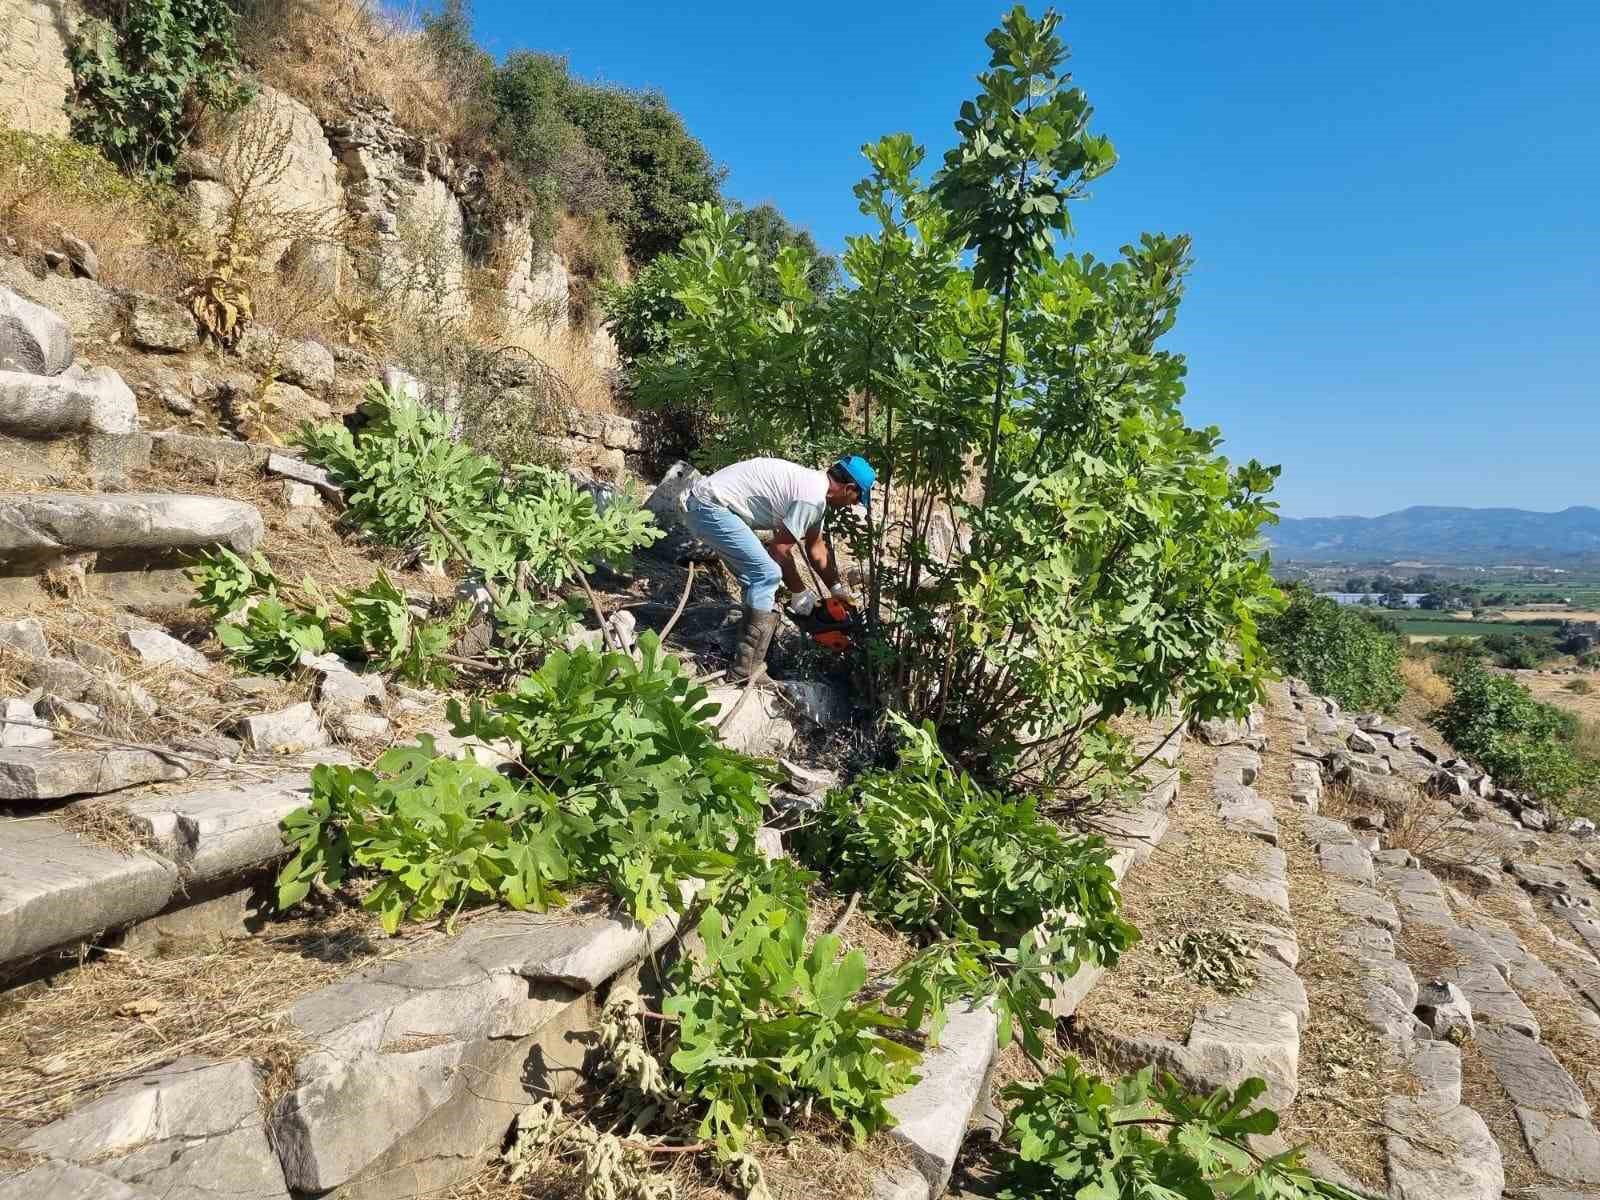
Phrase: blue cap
(861,474)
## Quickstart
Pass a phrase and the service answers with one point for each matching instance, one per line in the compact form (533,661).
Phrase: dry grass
(1426,684)
(51,185)
(119,1016)
(1175,890)
(335,55)
(1557,690)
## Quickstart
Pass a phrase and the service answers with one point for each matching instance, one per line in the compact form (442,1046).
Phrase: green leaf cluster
(266,625)
(439,832)
(1076,1137)
(143,78)
(408,481)
(766,1020)
(1341,652)
(1007,903)
(1523,743)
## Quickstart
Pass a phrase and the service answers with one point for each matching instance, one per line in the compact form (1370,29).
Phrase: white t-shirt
(768,493)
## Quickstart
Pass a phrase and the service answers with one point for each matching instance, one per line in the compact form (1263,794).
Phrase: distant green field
(1445,627)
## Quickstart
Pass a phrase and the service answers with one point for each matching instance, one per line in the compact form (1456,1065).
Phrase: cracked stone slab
(219,831)
(1434,1155)
(1242,810)
(396,1043)
(931,1118)
(1346,860)
(191,1130)
(1237,764)
(65,1181)
(1530,1074)
(54,772)
(47,524)
(1563,1146)
(1362,904)
(57,888)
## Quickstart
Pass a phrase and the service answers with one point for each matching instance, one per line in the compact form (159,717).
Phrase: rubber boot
(755,635)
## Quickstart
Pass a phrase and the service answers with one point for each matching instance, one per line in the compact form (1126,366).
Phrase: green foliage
(1076,1138)
(1111,552)
(765,1020)
(67,171)
(143,79)
(627,747)
(1521,742)
(265,625)
(1341,652)
(440,832)
(409,482)
(619,779)
(1004,897)
(1519,651)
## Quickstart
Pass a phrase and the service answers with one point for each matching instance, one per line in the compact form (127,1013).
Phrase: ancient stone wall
(34,77)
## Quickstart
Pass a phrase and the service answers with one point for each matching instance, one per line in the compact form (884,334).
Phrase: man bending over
(726,509)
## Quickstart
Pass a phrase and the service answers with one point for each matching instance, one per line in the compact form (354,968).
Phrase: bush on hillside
(1519,651)
(1521,742)
(1340,651)
(146,75)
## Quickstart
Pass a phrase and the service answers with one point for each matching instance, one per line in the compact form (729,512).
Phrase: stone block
(24,636)
(818,700)
(301,471)
(215,832)
(64,1181)
(53,773)
(49,524)
(1439,1155)
(931,1118)
(758,727)
(19,725)
(157,649)
(158,324)
(665,501)
(303,363)
(1565,1147)
(1237,764)
(76,401)
(287,731)
(1446,1012)
(56,888)
(1346,860)
(181,449)
(32,338)
(1530,1074)
(191,1130)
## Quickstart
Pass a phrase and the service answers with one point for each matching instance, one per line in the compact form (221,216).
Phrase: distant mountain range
(1478,536)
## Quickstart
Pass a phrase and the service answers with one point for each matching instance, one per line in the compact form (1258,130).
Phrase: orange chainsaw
(832,624)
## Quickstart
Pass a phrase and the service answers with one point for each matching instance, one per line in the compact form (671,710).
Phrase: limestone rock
(664,501)
(300,495)
(46,524)
(806,781)
(313,263)
(64,1181)
(220,830)
(1434,1155)
(1346,860)
(1221,731)
(32,338)
(1361,742)
(301,471)
(53,773)
(78,401)
(191,1130)
(819,701)
(288,731)
(24,636)
(1565,1147)
(306,364)
(931,1118)
(158,649)
(155,323)
(56,888)
(18,722)
(81,255)
(1530,1074)
(758,727)
(1445,1011)
(359,726)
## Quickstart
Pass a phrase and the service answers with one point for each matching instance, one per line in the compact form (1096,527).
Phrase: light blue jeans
(740,548)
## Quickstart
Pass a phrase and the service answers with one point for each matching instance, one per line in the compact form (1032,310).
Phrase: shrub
(1004,898)
(1522,743)
(143,79)
(1520,651)
(1580,687)
(1339,651)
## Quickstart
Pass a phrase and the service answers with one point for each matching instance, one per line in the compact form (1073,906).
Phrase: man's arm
(822,557)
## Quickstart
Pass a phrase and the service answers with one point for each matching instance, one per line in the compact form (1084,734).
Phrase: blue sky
(1395,205)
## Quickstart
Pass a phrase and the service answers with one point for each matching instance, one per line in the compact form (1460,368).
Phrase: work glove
(804,604)
(843,594)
